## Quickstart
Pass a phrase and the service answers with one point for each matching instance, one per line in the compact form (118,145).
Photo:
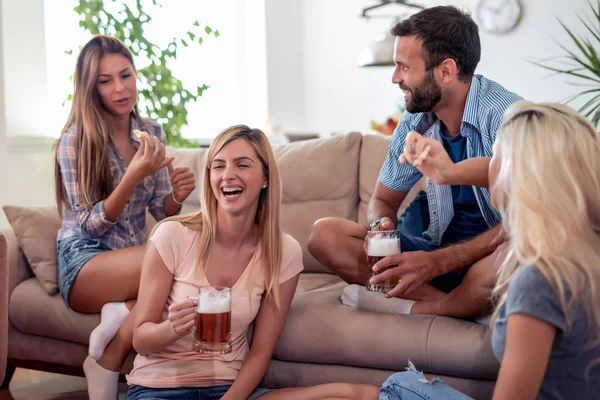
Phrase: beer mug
(381,244)
(212,333)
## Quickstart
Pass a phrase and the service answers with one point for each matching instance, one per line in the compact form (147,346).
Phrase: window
(233,65)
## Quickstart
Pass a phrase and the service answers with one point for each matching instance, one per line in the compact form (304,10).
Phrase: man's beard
(425,97)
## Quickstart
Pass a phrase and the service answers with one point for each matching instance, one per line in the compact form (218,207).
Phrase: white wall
(341,97)
(26,175)
(25,64)
(285,63)
(2,118)
(313,82)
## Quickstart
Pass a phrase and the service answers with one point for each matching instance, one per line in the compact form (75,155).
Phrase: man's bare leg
(338,243)
(472,298)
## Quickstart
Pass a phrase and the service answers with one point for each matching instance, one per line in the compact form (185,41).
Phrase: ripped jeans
(412,385)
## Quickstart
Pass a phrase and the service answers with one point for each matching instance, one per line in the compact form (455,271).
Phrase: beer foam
(383,247)
(209,304)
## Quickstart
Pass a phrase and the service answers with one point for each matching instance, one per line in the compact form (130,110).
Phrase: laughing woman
(235,242)
(545,181)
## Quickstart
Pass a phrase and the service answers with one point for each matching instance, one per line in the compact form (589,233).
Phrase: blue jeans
(137,392)
(412,385)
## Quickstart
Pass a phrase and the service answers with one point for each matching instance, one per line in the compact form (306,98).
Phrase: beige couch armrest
(3,304)
(13,270)
(18,267)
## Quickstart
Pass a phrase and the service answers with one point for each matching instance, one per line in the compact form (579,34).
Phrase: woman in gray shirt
(545,181)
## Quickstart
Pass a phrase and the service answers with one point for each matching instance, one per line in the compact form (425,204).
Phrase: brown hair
(446,32)
(86,118)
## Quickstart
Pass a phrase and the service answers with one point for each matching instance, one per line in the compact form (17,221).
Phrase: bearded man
(449,235)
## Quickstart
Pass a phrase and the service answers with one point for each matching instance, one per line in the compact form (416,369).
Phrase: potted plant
(161,95)
(581,63)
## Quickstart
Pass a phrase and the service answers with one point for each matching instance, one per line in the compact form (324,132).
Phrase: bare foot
(424,293)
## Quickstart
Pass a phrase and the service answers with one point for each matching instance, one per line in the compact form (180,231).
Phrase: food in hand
(422,157)
(139,133)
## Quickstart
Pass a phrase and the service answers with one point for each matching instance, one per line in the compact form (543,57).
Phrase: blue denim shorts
(137,392)
(72,254)
(411,225)
(412,385)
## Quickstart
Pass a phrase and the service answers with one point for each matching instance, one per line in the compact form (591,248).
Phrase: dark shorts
(72,254)
(137,392)
(411,225)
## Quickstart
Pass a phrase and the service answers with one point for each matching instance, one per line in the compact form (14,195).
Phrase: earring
(264,186)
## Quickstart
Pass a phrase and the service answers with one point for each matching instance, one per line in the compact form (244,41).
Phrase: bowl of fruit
(386,128)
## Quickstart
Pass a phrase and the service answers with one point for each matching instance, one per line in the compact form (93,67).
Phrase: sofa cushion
(33,311)
(36,230)
(320,179)
(312,281)
(373,152)
(194,159)
(320,329)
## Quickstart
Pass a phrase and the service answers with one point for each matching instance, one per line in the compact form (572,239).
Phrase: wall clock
(498,16)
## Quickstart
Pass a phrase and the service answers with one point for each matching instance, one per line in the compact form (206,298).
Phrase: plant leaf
(160,93)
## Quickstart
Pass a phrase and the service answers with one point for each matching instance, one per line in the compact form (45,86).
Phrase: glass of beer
(213,320)
(381,244)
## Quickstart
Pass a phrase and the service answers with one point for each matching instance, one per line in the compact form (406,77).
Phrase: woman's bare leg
(103,374)
(119,347)
(328,391)
(108,277)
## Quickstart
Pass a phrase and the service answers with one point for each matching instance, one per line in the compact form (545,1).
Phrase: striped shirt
(130,227)
(485,106)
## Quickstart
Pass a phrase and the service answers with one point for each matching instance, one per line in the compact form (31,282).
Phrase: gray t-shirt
(530,293)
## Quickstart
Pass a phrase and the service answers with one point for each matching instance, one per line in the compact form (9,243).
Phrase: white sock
(111,318)
(102,383)
(357,296)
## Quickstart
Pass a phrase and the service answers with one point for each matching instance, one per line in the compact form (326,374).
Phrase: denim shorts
(137,392)
(411,225)
(412,385)
(72,254)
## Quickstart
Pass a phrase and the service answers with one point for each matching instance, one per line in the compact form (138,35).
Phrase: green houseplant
(161,95)
(582,63)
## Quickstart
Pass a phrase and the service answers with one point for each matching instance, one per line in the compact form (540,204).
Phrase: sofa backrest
(320,179)
(373,152)
(331,177)
(372,155)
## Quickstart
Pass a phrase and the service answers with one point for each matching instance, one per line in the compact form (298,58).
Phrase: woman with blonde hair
(110,168)
(545,181)
(235,242)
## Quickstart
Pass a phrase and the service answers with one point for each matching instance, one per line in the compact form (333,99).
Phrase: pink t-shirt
(178,365)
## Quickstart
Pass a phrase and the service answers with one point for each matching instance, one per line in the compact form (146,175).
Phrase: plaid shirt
(486,103)
(91,222)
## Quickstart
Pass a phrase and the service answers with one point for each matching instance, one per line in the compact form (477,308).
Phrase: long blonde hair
(88,119)
(267,214)
(548,193)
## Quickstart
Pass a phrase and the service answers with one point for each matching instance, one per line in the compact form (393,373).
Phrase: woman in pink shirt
(235,241)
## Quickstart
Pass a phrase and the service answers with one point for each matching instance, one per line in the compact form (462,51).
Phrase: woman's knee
(401,386)
(403,379)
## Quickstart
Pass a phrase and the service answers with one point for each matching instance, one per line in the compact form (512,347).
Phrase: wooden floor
(35,385)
